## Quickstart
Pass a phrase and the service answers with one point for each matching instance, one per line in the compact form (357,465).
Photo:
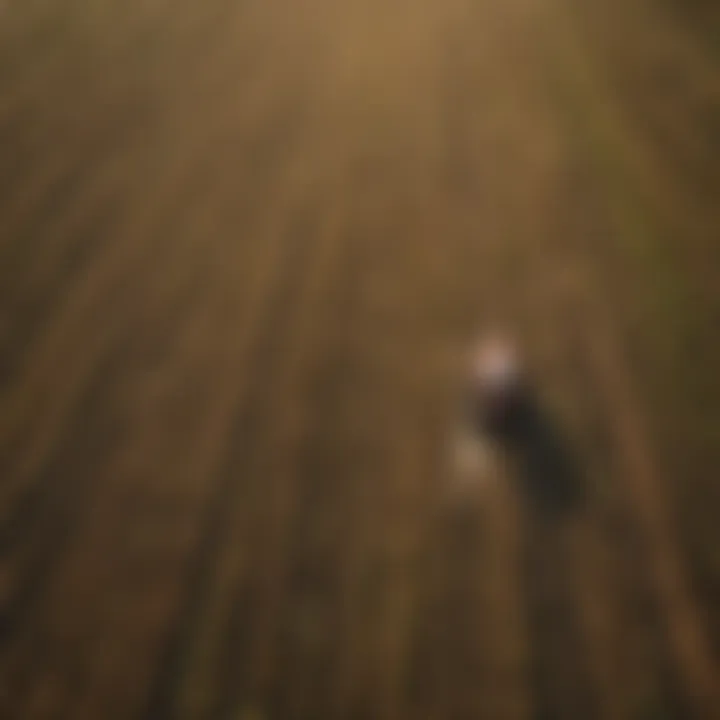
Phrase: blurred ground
(242,247)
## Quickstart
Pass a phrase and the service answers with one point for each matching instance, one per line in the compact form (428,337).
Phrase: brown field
(243,246)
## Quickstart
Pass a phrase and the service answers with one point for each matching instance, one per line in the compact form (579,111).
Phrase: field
(244,247)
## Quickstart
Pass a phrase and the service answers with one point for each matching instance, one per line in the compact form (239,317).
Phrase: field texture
(244,246)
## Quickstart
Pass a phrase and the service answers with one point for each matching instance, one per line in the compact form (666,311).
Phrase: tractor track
(288,260)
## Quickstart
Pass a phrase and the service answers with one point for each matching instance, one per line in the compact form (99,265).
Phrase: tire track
(42,188)
(522,656)
(406,508)
(42,268)
(578,651)
(670,234)
(544,608)
(642,679)
(22,475)
(174,690)
(318,535)
(427,672)
(692,661)
(506,656)
(561,685)
(559,275)
(672,604)
(362,571)
(24,535)
(349,460)
(36,502)
(437,551)
(221,409)
(654,688)
(44,525)
(30,81)
(92,437)
(616,606)
(350,695)
(388,584)
(191,465)
(551,648)
(462,538)
(375,580)
(34,398)
(506,653)
(400,563)
(608,631)
(258,654)
(200,179)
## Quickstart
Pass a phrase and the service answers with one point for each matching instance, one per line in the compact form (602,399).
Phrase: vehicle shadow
(546,466)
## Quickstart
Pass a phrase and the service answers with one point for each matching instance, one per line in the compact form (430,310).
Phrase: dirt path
(242,249)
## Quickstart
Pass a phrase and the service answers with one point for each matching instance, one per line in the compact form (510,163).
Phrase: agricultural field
(244,249)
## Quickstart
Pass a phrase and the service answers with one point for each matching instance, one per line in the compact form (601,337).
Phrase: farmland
(244,247)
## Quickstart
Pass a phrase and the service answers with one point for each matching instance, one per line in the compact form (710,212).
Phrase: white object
(495,366)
